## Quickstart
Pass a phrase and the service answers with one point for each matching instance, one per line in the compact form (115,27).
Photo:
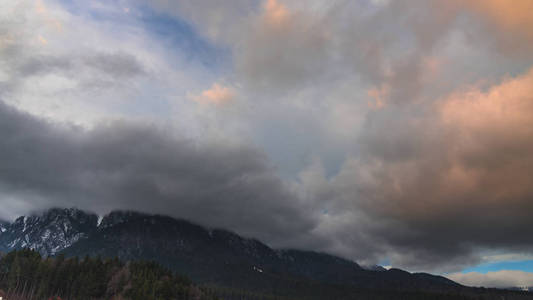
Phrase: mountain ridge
(208,256)
(49,232)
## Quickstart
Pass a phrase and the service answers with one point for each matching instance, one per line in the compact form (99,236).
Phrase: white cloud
(497,279)
(73,67)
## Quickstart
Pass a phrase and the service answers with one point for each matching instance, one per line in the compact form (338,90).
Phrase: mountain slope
(3,226)
(31,277)
(48,233)
(222,257)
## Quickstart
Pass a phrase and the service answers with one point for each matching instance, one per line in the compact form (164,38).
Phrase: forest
(25,275)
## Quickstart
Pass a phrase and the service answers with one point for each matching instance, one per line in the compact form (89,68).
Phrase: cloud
(217,95)
(97,63)
(449,180)
(510,25)
(43,40)
(106,66)
(281,50)
(46,61)
(221,22)
(129,166)
(379,96)
(276,14)
(507,257)
(497,279)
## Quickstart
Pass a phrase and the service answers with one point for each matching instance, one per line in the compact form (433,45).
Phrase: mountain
(48,233)
(222,257)
(3,226)
(213,257)
(520,288)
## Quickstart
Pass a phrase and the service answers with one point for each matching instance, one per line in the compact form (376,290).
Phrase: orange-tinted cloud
(42,40)
(379,95)
(493,139)
(516,15)
(448,175)
(477,146)
(47,17)
(282,49)
(511,22)
(40,7)
(504,107)
(275,13)
(217,95)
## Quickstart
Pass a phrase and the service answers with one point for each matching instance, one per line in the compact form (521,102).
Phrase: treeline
(26,275)
(318,291)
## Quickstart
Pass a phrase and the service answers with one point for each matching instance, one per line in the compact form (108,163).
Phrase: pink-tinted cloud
(509,22)
(217,95)
(275,13)
(453,178)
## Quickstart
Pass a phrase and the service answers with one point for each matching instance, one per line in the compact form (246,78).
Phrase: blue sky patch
(185,39)
(524,265)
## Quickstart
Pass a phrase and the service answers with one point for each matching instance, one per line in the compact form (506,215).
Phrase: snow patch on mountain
(3,226)
(49,232)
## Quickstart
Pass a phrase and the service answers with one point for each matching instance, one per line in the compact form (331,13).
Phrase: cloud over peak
(133,166)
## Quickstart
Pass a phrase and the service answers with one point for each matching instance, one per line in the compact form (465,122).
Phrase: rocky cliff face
(48,233)
(3,226)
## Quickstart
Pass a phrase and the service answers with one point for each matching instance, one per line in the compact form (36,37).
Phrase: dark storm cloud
(127,166)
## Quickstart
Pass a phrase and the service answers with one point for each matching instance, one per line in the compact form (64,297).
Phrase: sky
(388,132)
